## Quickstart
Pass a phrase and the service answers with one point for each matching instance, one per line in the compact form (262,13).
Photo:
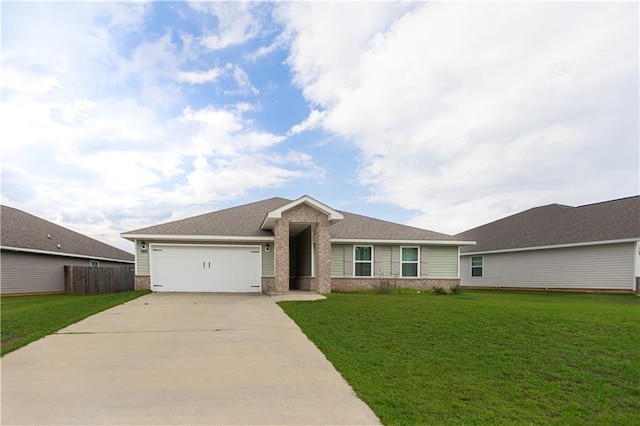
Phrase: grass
(484,357)
(25,319)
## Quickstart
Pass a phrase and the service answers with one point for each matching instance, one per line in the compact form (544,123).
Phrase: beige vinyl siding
(382,261)
(348,260)
(142,259)
(603,267)
(442,262)
(395,261)
(424,261)
(337,260)
(268,257)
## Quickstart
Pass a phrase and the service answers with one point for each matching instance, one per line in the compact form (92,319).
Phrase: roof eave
(66,254)
(181,237)
(553,246)
(402,241)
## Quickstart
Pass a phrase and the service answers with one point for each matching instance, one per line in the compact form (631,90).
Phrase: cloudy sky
(117,116)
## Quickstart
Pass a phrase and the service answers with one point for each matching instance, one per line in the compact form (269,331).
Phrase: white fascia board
(57,253)
(203,245)
(587,243)
(408,242)
(150,237)
(269,221)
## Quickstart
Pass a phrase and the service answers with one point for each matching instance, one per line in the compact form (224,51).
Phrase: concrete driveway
(179,359)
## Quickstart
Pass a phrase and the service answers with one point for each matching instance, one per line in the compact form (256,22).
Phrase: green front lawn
(484,357)
(28,318)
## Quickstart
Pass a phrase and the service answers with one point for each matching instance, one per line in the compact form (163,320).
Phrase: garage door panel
(206,269)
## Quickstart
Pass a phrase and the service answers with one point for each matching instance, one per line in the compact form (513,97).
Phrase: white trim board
(64,254)
(588,243)
(219,238)
(402,242)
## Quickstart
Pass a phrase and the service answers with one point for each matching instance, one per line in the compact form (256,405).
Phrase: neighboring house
(34,252)
(590,247)
(275,245)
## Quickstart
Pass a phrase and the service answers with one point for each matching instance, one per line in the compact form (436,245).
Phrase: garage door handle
(203,265)
(209,265)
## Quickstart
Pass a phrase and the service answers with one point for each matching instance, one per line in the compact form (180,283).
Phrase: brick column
(281,243)
(323,257)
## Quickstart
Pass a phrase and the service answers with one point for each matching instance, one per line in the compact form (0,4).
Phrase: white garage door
(205,268)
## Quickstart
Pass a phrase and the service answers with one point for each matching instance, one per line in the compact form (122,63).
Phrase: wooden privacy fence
(98,280)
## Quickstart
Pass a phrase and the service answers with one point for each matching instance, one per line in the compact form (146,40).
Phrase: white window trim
(471,267)
(402,262)
(362,261)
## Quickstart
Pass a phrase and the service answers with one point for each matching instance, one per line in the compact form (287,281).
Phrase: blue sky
(117,116)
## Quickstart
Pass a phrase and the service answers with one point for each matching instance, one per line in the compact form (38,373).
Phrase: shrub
(439,291)
(385,287)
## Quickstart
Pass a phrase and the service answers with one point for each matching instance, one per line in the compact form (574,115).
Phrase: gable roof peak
(270,219)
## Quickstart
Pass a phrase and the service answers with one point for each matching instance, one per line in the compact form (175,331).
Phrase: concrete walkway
(179,359)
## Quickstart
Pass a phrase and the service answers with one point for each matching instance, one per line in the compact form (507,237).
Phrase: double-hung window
(410,261)
(363,261)
(477,266)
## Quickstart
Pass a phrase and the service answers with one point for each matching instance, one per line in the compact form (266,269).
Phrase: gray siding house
(590,247)
(277,245)
(33,253)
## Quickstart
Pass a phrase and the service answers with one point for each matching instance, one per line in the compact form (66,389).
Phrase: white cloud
(326,40)
(96,134)
(196,77)
(233,178)
(264,51)
(465,112)
(311,122)
(241,78)
(116,154)
(236,23)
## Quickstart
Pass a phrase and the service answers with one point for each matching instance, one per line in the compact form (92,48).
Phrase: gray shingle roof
(26,231)
(358,227)
(245,221)
(556,224)
(241,221)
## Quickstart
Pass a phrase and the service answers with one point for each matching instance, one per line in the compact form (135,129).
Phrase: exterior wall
(442,262)
(435,261)
(268,269)
(142,259)
(599,267)
(337,260)
(395,261)
(382,260)
(348,260)
(348,285)
(24,272)
(143,282)
(305,283)
(638,260)
(304,213)
(268,285)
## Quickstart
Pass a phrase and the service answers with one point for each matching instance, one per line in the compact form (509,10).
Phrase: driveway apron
(179,359)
